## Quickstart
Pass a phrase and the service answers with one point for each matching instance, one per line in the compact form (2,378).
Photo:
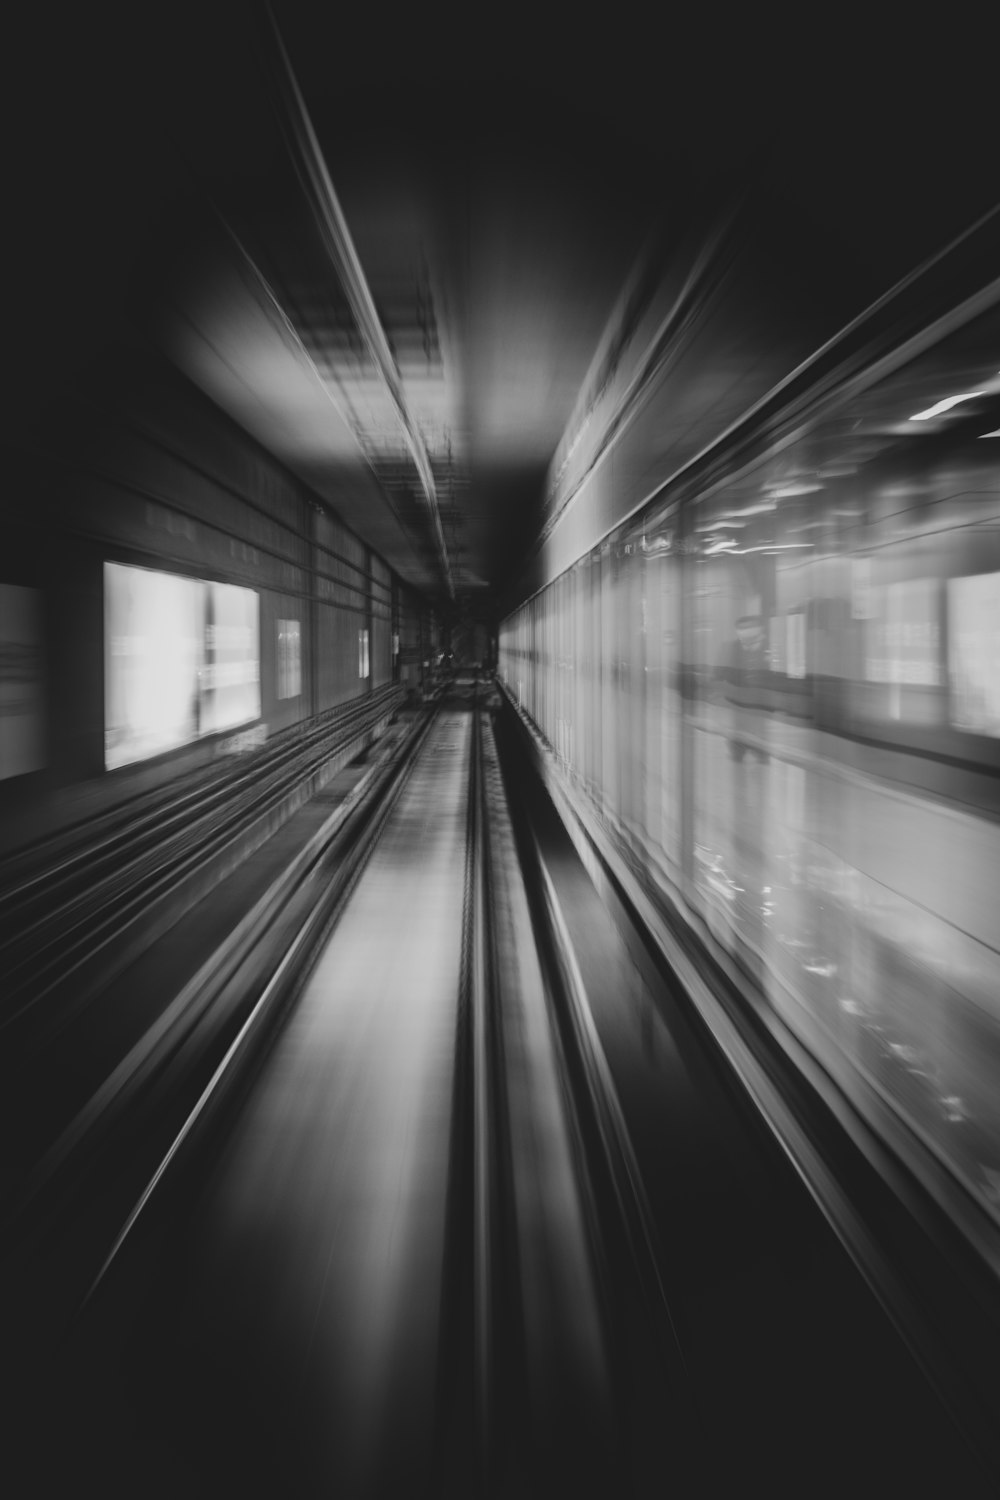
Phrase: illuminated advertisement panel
(289,658)
(904,637)
(154,626)
(231,671)
(974,652)
(180,661)
(795,665)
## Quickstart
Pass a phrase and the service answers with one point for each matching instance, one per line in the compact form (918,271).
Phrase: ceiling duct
(310,165)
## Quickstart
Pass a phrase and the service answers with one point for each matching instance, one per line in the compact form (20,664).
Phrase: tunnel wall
(136,467)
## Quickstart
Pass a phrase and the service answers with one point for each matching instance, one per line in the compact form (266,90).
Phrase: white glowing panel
(796,643)
(974,652)
(904,634)
(153,644)
(231,672)
(181,660)
(21,702)
(289,659)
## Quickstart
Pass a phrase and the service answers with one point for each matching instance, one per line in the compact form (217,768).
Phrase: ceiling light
(945,405)
(754,510)
(775,547)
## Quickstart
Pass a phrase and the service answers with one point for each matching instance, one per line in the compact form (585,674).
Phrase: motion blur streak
(794,728)
(566,1360)
(324,1244)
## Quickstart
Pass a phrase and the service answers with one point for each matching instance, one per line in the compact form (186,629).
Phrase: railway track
(401,1088)
(428,1224)
(67,906)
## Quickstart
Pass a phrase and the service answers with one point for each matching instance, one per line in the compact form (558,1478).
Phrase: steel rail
(86,922)
(102,837)
(281,989)
(203,996)
(484,1116)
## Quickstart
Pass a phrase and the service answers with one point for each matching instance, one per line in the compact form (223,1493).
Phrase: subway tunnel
(499,774)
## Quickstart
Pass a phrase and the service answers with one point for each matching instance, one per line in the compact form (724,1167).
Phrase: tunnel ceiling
(390,246)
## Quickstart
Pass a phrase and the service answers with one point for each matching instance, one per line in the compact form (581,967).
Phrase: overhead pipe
(311,166)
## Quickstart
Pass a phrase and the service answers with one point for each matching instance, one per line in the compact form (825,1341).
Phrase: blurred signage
(22,730)
(181,660)
(795,663)
(904,634)
(974,652)
(230,676)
